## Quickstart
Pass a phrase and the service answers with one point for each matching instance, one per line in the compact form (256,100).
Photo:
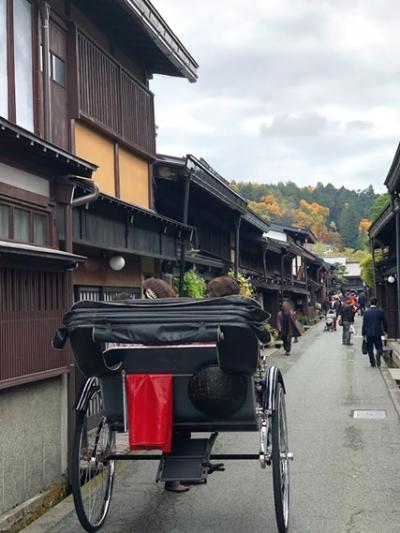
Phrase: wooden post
(185,218)
(237,244)
(397,211)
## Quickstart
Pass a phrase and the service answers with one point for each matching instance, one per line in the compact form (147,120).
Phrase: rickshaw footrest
(188,461)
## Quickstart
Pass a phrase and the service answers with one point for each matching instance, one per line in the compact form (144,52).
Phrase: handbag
(364,347)
(340,321)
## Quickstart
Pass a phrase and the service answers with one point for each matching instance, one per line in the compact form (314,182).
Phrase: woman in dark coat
(287,327)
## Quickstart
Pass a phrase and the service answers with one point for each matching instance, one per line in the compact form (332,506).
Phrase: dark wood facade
(384,236)
(213,209)
(383,246)
(35,282)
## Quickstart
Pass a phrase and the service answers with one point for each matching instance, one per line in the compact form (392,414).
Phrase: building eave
(21,250)
(392,179)
(145,212)
(384,218)
(56,159)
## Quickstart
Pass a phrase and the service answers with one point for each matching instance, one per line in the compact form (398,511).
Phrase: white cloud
(305,90)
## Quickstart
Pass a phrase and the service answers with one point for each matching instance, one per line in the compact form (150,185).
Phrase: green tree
(366,271)
(348,226)
(378,206)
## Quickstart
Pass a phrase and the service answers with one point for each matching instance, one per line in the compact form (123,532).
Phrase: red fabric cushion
(150,411)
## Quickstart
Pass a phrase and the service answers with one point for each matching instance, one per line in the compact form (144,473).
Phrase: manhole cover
(369,413)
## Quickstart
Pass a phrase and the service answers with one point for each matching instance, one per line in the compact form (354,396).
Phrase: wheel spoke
(280,461)
(92,473)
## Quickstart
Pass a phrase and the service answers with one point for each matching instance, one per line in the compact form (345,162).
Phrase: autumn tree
(363,238)
(312,216)
(268,207)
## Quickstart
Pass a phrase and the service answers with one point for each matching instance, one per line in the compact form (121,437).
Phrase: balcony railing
(111,98)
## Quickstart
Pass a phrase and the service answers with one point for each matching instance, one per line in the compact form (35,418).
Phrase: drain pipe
(76,202)
(45,30)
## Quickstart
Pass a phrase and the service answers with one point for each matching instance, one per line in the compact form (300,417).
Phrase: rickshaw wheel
(280,461)
(92,474)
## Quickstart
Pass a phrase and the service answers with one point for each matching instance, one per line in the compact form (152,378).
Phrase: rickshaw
(211,350)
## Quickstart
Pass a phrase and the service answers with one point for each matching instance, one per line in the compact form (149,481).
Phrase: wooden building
(35,292)
(74,102)
(106,116)
(191,191)
(385,265)
(384,236)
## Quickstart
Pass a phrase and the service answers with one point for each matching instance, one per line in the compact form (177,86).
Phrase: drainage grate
(369,413)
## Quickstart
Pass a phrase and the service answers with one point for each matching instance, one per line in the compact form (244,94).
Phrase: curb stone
(393,388)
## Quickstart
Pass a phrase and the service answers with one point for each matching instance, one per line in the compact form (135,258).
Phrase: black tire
(280,464)
(91,473)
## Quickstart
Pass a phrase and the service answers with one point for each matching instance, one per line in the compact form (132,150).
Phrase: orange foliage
(272,206)
(364,225)
(314,217)
(268,207)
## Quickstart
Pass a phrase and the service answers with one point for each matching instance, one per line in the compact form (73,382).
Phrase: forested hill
(339,217)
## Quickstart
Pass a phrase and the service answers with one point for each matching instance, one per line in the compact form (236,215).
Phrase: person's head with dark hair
(222,286)
(154,288)
(374,301)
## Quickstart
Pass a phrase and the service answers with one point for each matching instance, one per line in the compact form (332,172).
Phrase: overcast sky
(302,90)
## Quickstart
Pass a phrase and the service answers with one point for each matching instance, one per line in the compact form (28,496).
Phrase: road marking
(369,413)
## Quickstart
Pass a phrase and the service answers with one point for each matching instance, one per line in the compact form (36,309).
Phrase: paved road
(346,474)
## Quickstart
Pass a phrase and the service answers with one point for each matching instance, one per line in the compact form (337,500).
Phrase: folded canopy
(164,321)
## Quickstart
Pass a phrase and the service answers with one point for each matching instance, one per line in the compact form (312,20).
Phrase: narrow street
(344,477)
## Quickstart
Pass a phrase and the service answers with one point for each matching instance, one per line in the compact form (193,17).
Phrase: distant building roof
(206,177)
(335,260)
(296,233)
(353,270)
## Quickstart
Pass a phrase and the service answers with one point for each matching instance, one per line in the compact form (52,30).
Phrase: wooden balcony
(113,100)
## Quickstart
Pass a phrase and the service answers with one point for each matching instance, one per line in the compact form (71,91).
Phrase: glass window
(57,70)
(3,60)
(23,63)
(4,222)
(40,229)
(22,225)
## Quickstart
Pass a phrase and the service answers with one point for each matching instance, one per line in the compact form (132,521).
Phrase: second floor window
(16,64)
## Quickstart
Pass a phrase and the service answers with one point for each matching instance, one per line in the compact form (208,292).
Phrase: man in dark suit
(373,327)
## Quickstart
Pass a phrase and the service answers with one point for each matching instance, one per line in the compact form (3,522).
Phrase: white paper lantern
(117,262)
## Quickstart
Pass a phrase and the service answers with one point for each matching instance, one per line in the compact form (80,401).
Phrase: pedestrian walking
(336,305)
(346,320)
(362,301)
(373,327)
(287,326)
(326,305)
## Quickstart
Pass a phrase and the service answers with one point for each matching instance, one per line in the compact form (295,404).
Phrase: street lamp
(391,279)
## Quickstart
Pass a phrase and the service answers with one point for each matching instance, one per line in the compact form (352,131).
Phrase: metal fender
(272,378)
(86,393)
